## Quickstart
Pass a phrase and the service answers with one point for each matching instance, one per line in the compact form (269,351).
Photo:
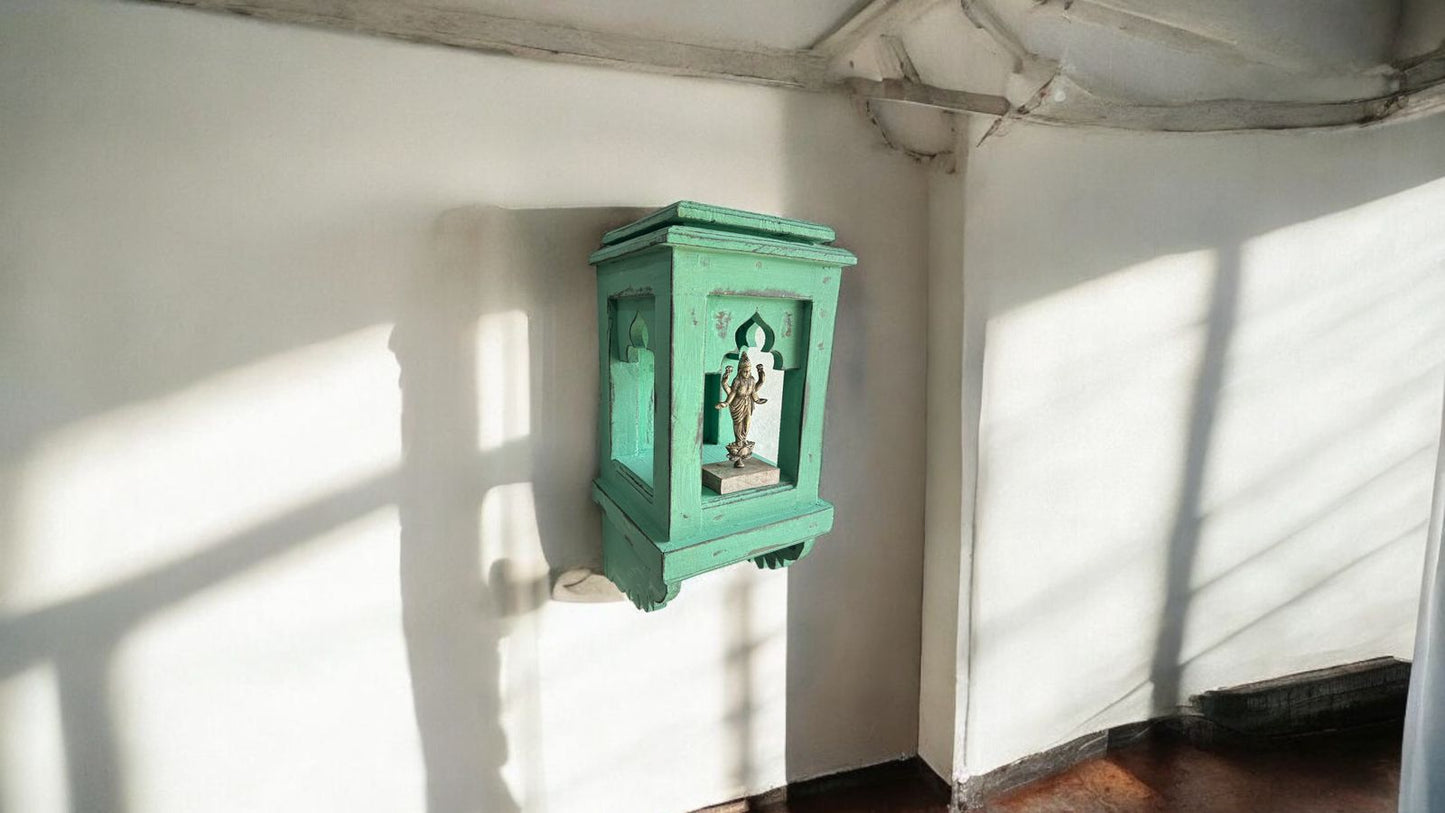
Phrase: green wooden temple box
(709,320)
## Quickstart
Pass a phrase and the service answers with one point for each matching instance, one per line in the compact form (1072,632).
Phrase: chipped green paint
(724,241)
(679,293)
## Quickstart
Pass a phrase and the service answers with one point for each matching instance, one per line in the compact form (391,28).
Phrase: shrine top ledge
(700,225)
(690,213)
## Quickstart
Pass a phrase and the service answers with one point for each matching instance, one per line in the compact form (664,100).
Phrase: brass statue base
(727,478)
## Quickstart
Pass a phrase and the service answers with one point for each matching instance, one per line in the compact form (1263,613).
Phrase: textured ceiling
(1174,64)
(1138,64)
(1176,51)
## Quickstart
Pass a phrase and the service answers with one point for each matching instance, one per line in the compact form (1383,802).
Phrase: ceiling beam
(1216,116)
(959,101)
(548,41)
(1076,107)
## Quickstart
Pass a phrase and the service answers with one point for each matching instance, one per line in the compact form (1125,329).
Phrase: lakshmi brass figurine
(739,397)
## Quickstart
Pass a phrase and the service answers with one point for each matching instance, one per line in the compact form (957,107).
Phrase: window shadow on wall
(497,348)
(1184,536)
(96,351)
(498,317)
(1244,450)
(78,638)
(451,617)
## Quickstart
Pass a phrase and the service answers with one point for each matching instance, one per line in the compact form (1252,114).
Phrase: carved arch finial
(743,339)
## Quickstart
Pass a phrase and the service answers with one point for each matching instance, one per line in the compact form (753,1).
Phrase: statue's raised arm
(727,391)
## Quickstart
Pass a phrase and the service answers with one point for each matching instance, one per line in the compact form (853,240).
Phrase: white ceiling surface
(781,24)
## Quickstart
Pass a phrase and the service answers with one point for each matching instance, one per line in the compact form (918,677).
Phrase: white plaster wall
(1210,409)
(952,469)
(295,420)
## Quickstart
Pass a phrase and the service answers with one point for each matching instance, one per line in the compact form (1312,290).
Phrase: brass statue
(739,398)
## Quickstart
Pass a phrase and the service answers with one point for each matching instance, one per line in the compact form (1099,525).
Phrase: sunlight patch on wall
(1087,401)
(1311,431)
(304,651)
(1076,382)
(503,379)
(32,753)
(1327,341)
(1324,442)
(509,530)
(1096,331)
(122,492)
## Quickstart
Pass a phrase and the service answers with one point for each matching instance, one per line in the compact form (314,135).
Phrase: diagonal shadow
(491,262)
(1079,584)
(79,636)
(1412,532)
(1184,536)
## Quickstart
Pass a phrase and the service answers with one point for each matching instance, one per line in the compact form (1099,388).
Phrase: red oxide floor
(1333,773)
(1355,772)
